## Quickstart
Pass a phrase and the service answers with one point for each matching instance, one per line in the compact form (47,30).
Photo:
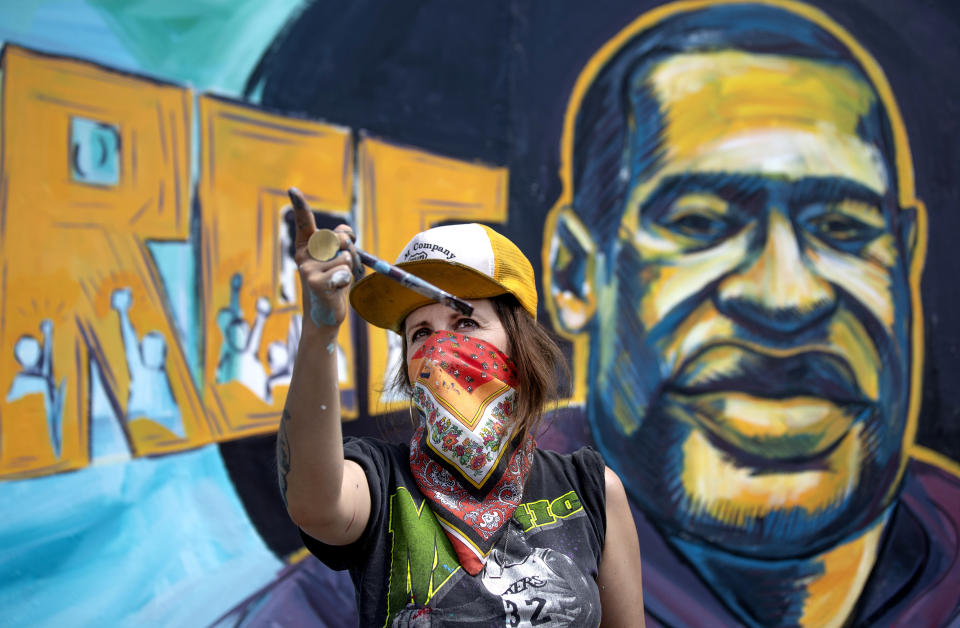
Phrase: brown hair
(541,365)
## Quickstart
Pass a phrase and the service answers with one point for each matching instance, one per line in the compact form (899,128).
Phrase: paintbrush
(324,244)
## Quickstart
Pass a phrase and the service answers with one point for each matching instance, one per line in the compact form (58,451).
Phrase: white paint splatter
(340,279)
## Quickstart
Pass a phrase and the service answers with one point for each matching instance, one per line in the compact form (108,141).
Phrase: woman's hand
(326,496)
(325,283)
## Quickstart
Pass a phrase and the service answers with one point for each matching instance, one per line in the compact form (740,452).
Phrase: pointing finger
(302,216)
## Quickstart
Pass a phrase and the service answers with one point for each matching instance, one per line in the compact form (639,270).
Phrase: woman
(513,535)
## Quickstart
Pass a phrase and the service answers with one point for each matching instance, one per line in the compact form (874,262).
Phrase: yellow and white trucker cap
(470,261)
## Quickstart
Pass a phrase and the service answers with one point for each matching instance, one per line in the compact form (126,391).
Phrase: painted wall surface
(743,217)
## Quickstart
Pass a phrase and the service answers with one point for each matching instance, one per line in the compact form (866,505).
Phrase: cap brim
(385,302)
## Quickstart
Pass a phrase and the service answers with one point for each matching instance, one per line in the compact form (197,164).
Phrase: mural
(743,250)
(723,200)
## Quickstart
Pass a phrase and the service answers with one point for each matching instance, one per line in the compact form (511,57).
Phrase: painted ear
(569,272)
(913,223)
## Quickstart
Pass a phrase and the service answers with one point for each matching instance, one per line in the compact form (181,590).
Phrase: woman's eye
(423,332)
(467,323)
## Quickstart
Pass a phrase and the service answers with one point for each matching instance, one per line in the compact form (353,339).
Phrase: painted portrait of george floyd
(741,215)
(743,248)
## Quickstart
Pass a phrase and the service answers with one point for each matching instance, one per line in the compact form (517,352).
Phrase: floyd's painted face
(750,365)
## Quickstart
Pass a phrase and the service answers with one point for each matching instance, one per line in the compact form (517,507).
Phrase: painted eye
(840,230)
(698,219)
(701,226)
(840,227)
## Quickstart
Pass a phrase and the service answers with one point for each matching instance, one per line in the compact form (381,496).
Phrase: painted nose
(776,291)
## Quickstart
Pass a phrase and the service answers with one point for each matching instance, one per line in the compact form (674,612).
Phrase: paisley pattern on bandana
(464,455)
(475,453)
(473,525)
(464,390)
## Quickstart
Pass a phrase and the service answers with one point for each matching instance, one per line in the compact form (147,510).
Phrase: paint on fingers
(339,279)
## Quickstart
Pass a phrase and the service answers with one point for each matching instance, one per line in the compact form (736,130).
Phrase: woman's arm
(326,496)
(621,590)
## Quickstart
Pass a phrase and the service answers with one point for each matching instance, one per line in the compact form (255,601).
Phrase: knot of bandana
(465,456)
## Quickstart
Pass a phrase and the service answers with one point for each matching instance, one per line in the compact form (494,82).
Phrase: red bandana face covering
(464,454)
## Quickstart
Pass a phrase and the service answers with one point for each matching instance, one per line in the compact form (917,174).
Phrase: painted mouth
(788,410)
(734,368)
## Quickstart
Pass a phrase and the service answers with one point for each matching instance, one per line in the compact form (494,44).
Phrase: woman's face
(483,324)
